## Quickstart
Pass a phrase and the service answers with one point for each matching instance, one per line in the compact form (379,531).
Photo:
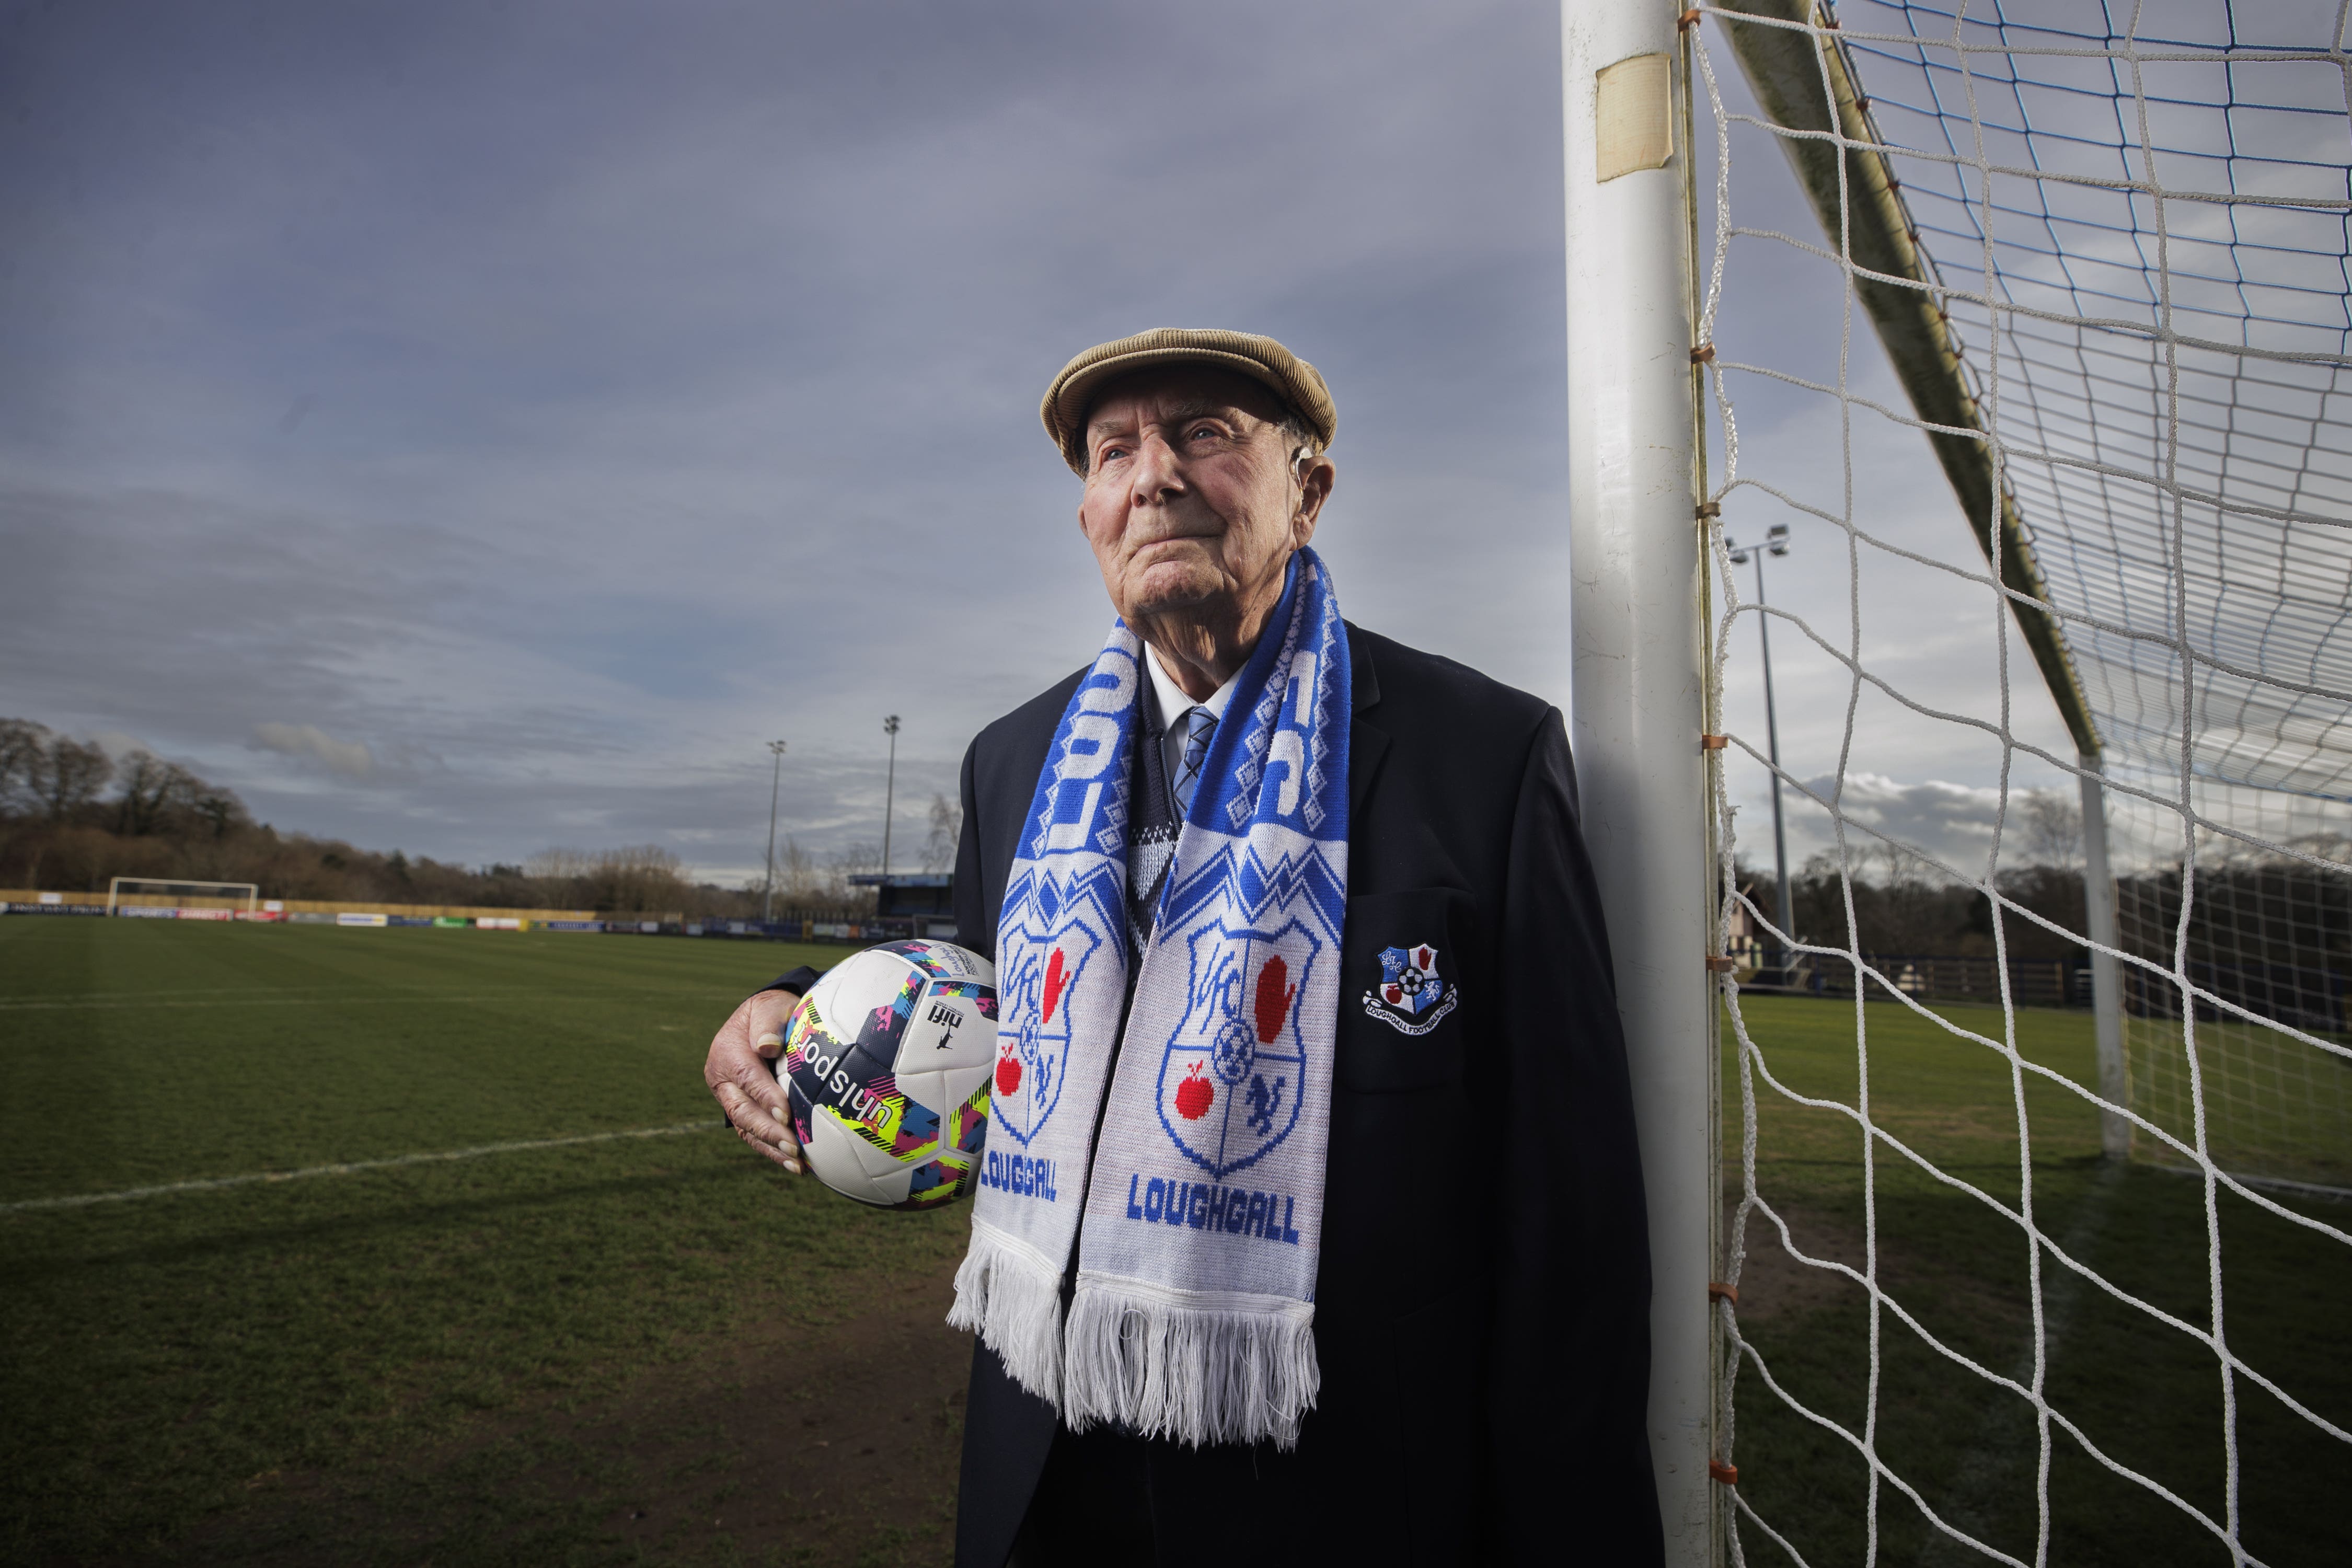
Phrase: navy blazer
(1481,1306)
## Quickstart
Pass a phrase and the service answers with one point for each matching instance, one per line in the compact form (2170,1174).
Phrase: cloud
(349,759)
(118,745)
(1952,824)
(669,386)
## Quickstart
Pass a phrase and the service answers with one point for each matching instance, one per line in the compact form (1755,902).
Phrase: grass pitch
(597,1353)
(2146,1394)
(662,1351)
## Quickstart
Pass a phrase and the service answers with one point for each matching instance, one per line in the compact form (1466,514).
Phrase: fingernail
(778,1114)
(793,1166)
(771,1040)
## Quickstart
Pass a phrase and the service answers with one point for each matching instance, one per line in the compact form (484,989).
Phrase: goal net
(2268,907)
(168,893)
(2029,323)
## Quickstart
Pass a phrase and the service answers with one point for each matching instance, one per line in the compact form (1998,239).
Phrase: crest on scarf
(1232,1074)
(1411,997)
(1038,979)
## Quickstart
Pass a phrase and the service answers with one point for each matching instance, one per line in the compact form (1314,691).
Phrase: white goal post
(1639,681)
(115,885)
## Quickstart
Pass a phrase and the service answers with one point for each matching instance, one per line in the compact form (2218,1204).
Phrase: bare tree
(23,744)
(798,880)
(559,864)
(638,878)
(223,810)
(2053,827)
(157,795)
(57,775)
(858,859)
(947,827)
(1898,869)
(629,880)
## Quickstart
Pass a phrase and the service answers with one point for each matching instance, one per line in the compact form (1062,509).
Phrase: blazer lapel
(1368,743)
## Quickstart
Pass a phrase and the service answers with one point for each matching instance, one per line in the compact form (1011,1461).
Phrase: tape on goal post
(2041,361)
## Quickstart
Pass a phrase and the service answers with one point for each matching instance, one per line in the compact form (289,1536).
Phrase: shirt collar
(1174,704)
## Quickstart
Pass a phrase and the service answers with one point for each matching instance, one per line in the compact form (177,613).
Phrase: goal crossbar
(1807,87)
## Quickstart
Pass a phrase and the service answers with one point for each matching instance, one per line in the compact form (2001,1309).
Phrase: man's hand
(739,1073)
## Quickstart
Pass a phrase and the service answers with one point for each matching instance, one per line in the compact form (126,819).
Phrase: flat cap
(1261,359)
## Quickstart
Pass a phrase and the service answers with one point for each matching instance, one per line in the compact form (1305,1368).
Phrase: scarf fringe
(1011,1298)
(1194,1374)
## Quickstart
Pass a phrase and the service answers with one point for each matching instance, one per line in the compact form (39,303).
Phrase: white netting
(2268,947)
(2105,249)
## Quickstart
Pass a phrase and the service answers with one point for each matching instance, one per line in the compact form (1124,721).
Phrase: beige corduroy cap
(1261,359)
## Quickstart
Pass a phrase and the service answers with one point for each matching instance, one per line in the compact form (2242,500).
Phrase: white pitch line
(83,1200)
(2271,1184)
(330,1001)
(192,991)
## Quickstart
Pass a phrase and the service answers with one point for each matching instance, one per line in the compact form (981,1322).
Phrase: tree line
(2254,907)
(72,817)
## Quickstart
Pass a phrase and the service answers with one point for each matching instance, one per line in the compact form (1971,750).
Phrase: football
(886,1063)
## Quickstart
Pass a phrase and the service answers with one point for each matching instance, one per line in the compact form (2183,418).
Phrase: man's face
(1195,499)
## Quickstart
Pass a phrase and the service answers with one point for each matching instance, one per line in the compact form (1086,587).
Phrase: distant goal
(231,896)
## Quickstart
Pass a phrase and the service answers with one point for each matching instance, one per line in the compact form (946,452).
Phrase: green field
(660,1349)
(654,1349)
(2147,1394)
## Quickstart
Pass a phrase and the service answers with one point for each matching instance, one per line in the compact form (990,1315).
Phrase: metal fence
(1941,977)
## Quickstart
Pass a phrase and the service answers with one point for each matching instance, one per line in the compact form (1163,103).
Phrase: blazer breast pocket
(1401,1003)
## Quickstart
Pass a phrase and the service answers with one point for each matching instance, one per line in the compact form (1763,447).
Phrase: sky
(473,428)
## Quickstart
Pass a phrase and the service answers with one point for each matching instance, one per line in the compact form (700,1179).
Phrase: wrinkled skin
(741,1071)
(1194,503)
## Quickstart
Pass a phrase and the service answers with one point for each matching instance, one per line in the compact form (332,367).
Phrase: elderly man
(1313,1231)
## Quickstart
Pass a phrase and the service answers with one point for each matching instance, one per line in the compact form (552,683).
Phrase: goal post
(221,890)
(1638,678)
(2100,924)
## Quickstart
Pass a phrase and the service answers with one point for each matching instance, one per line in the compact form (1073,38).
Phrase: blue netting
(2142,219)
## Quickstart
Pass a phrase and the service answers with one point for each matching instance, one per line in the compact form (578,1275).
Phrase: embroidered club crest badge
(1410,997)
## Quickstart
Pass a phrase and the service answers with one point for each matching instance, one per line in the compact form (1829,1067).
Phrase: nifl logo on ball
(1408,989)
(1231,1075)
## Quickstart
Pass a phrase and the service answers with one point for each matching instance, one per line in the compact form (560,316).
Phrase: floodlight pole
(1776,542)
(768,884)
(890,790)
(1636,591)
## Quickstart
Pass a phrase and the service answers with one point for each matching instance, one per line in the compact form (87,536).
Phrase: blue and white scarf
(1203,1192)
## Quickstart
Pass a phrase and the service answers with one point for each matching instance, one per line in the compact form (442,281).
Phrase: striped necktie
(1199,725)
